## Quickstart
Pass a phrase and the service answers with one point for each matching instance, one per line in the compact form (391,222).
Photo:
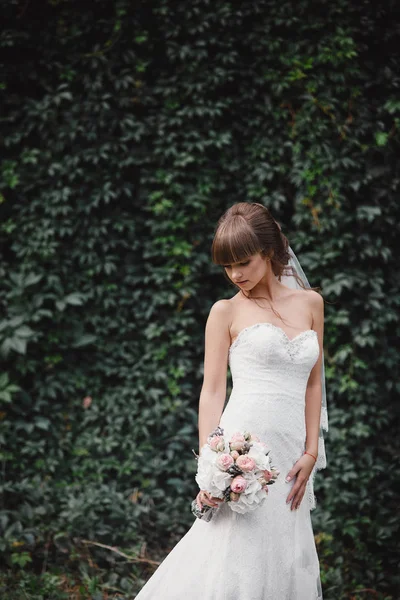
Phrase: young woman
(271,336)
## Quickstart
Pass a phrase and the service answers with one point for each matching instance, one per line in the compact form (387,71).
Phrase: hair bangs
(233,242)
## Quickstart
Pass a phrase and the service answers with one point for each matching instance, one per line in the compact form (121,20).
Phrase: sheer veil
(290,281)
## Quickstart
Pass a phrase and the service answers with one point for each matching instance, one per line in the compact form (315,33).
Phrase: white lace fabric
(268,553)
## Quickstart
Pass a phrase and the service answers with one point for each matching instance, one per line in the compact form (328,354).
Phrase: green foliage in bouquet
(127,129)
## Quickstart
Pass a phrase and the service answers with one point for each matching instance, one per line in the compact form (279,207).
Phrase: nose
(236,276)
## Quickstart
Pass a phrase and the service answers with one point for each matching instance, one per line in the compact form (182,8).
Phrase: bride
(270,334)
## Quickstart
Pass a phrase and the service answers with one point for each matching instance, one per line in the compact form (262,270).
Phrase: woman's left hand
(302,470)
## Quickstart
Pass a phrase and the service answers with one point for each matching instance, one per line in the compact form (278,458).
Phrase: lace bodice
(263,352)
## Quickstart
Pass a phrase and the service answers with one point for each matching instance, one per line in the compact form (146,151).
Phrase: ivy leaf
(84,340)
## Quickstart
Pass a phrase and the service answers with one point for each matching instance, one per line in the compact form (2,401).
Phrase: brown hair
(248,228)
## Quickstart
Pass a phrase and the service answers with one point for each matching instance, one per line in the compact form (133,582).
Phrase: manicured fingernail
(288,478)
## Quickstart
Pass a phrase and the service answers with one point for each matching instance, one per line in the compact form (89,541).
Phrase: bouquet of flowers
(237,470)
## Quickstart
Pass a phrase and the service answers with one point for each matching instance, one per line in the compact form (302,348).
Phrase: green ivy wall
(127,129)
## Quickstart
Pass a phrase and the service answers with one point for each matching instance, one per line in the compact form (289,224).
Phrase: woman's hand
(204,497)
(302,469)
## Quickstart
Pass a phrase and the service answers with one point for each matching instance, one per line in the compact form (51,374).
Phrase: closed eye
(242,264)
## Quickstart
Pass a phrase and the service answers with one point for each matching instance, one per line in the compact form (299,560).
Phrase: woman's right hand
(204,497)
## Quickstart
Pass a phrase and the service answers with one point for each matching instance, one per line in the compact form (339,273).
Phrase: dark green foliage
(127,129)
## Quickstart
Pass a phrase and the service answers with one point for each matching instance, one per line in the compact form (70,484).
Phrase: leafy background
(127,129)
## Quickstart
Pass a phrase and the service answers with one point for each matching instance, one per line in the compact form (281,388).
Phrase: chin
(247,287)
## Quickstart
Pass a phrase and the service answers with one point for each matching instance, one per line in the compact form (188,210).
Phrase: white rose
(250,499)
(221,480)
(205,469)
(261,459)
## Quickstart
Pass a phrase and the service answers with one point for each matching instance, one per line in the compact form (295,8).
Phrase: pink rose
(237,441)
(237,437)
(235,454)
(224,461)
(267,475)
(238,484)
(246,463)
(217,443)
(237,445)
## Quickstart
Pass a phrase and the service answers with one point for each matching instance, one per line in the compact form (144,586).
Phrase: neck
(269,288)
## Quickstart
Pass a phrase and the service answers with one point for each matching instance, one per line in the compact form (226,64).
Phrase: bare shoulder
(221,312)
(316,304)
(221,307)
(316,301)
(307,297)
(217,337)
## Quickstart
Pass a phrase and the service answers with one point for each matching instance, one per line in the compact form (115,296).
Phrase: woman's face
(248,273)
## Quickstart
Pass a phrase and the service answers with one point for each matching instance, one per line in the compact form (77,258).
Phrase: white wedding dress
(268,553)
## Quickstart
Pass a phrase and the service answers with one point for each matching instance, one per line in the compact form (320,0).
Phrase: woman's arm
(305,464)
(216,347)
(314,390)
